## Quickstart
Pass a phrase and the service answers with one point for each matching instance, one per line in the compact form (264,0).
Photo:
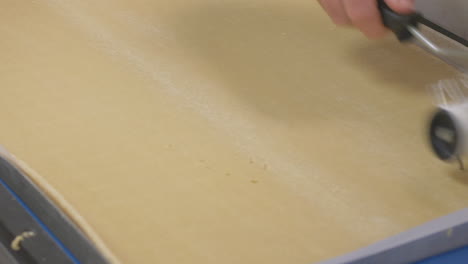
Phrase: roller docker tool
(448,126)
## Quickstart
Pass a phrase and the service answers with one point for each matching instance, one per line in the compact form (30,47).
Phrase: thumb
(401,6)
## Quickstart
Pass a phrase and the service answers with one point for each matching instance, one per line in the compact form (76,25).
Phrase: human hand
(364,14)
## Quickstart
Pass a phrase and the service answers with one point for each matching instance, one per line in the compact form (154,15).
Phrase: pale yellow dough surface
(222,131)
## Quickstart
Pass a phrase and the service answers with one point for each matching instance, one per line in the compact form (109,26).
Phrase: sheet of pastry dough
(222,131)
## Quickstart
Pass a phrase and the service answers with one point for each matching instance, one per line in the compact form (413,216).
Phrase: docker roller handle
(399,23)
(405,27)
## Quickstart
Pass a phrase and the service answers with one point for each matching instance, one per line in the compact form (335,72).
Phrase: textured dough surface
(222,131)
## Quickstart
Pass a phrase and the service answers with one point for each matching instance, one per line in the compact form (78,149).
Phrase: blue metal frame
(444,240)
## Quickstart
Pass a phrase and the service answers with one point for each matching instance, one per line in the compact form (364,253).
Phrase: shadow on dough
(460,176)
(280,60)
(406,65)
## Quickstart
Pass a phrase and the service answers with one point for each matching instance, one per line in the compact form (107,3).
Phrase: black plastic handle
(398,23)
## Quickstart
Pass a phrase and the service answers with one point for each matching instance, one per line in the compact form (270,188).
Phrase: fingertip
(401,6)
(364,15)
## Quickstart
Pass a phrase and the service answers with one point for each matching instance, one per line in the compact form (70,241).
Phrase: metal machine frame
(444,240)
(52,236)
